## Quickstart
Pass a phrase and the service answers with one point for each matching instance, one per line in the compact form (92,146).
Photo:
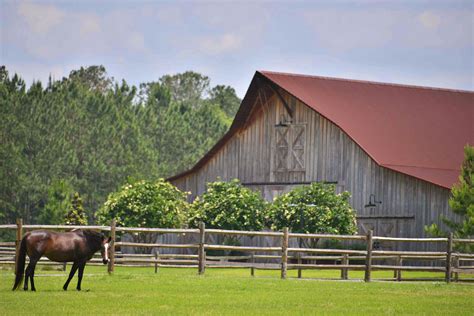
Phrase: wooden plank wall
(408,204)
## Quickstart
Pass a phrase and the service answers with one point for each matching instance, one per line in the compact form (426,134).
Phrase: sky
(428,43)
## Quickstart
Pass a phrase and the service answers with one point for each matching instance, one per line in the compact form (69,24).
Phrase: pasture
(232,292)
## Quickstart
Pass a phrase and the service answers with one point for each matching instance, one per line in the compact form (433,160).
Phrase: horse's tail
(20,264)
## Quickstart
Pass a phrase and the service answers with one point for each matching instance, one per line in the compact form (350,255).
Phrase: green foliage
(58,203)
(228,205)
(94,133)
(76,214)
(315,208)
(146,204)
(225,97)
(461,203)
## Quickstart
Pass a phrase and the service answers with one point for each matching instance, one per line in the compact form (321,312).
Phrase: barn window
(289,148)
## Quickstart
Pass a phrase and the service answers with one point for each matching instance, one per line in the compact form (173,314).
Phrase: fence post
(284,253)
(112,248)
(368,260)
(345,262)
(300,262)
(252,261)
(456,265)
(157,254)
(202,252)
(398,274)
(19,235)
(449,252)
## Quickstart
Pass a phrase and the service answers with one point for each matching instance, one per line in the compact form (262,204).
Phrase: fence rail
(449,262)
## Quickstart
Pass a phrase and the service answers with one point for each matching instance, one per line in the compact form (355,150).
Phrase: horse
(77,246)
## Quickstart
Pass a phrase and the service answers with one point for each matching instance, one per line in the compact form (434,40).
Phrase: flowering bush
(146,204)
(228,205)
(314,208)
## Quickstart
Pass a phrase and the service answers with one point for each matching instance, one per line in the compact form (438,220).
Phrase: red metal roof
(417,131)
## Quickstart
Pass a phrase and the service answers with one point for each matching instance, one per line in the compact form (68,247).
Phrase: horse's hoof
(65,288)
(78,289)
(34,290)
(25,289)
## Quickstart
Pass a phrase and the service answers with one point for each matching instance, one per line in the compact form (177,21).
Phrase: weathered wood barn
(396,148)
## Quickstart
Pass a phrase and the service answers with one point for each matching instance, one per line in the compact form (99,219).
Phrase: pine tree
(461,203)
(76,214)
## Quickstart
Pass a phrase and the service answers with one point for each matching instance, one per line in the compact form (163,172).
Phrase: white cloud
(89,25)
(46,32)
(220,44)
(343,30)
(429,19)
(39,17)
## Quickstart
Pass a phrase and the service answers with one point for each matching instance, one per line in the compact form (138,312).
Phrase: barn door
(282,147)
(380,227)
(297,147)
(289,163)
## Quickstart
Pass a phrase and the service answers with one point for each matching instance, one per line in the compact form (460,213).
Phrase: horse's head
(104,250)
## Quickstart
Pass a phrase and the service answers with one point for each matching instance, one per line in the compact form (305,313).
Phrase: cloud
(429,19)
(366,28)
(220,44)
(90,24)
(39,17)
(46,32)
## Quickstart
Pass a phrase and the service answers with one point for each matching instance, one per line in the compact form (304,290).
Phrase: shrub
(145,204)
(315,208)
(228,205)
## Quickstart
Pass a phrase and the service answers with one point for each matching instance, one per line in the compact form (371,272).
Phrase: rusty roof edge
(402,85)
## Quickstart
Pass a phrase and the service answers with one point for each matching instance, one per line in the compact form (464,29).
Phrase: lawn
(230,291)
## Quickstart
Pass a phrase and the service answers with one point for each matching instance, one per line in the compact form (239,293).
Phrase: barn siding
(408,204)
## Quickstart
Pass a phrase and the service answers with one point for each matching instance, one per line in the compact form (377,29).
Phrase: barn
(396,148)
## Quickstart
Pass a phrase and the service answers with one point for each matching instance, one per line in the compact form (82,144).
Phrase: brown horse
(77,246)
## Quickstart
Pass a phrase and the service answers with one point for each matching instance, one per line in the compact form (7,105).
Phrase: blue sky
(427,43)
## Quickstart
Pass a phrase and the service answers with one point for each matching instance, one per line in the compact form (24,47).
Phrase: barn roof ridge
(395,84)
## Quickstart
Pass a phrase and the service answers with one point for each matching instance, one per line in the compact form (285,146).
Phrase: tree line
(87,134)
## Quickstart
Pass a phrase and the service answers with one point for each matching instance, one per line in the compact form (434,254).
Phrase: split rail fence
(449,262)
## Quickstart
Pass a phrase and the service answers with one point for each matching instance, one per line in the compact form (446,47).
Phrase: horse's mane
(93,235)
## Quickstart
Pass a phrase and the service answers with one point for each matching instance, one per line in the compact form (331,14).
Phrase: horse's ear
(109,239)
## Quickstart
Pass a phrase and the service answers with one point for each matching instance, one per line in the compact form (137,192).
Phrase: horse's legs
(71,274)
(27,275)
(32,273)
(82,265)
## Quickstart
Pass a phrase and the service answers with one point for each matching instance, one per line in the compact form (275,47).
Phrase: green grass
(231,291)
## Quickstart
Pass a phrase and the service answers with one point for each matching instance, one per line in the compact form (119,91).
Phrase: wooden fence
(450,262)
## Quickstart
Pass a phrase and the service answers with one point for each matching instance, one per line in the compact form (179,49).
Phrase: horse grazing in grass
(77,246)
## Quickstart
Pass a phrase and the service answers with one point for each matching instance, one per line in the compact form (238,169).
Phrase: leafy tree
(315,208)
(146,204)
(225,97)
(229,205)
(187,88)
(76,214)
(461,203)
(92,77)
